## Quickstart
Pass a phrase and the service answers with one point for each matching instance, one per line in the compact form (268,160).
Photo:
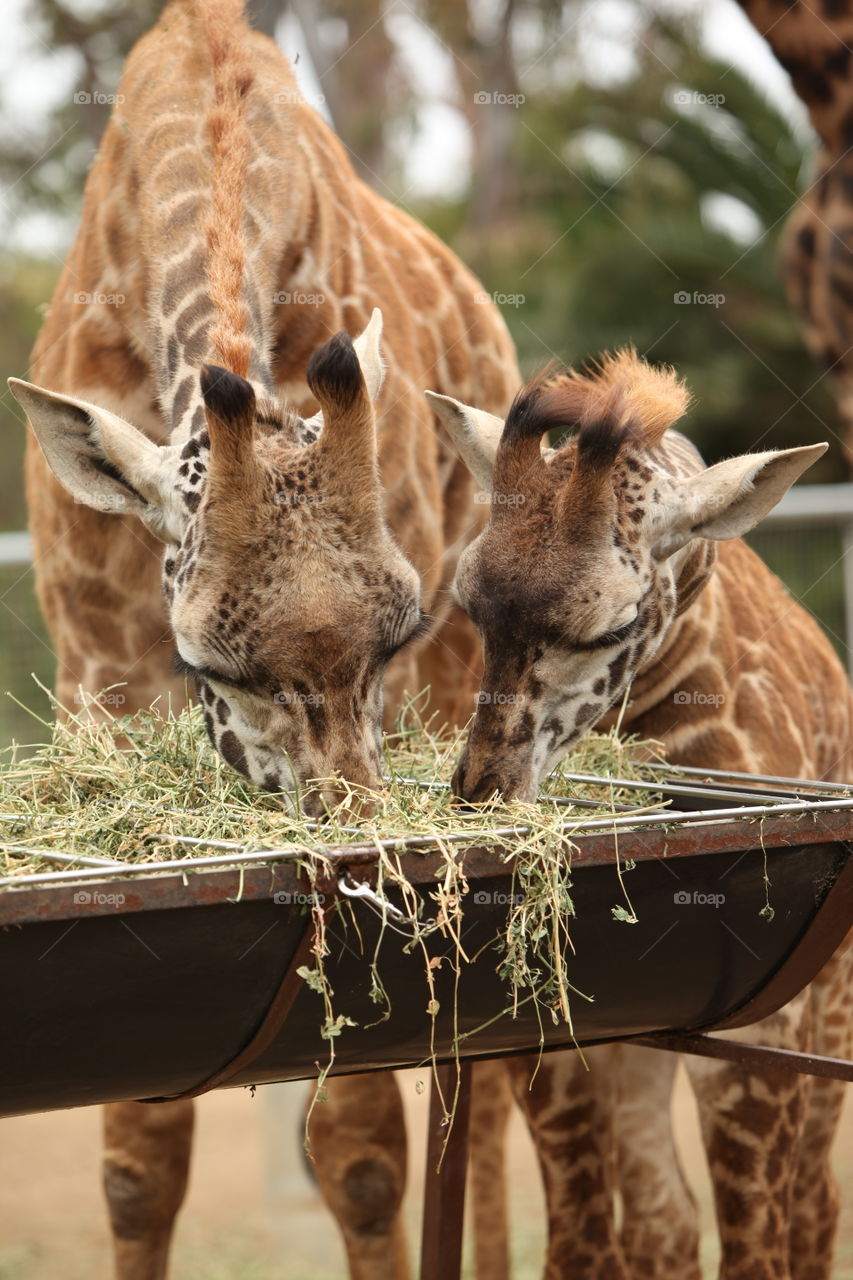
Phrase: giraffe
(813,42)
(617,571)
(183,496)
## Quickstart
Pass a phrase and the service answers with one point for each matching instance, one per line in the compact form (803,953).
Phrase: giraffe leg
(146,1164)
(491,1106)
(358,1138)
(570,1113)
(814,1213)
(752,1125)
(660,1235)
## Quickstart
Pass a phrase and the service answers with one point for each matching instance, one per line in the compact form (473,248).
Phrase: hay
(119,790)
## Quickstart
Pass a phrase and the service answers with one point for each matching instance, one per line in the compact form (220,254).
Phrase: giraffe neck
(813,42)
(708,694)
(214,232)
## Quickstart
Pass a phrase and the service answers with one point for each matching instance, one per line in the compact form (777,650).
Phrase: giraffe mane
(618,398)
(230,140)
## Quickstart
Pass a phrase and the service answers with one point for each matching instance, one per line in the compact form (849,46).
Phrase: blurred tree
(355,62)
(45,167)
(648,212)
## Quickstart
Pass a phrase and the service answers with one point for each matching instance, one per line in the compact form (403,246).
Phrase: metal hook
(361,890)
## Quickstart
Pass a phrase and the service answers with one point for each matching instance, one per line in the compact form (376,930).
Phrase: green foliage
(611,223)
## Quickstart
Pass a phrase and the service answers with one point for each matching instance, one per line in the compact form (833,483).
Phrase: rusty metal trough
(119,983)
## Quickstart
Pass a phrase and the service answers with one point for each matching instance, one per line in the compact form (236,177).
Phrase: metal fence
(807,540)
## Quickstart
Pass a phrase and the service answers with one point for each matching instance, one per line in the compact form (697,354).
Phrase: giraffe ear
(729,499)
(368,349)
(335,377)
(104,461)
(369,354)
(229,411)
(475,433)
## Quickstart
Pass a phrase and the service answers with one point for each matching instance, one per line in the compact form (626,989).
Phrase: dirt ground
(251,1213)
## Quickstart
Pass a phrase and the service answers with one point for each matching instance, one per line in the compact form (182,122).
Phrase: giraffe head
(286,593)
(592,550)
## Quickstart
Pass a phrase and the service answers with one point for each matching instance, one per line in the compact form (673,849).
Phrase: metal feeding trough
(126,982)
(130,982)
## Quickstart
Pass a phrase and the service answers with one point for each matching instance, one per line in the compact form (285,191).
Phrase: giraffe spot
(232,751)
(181,400)
(837,62)
(180,280)
(172,357)
(616,669)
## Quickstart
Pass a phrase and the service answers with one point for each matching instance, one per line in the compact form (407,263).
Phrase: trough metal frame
(789,811)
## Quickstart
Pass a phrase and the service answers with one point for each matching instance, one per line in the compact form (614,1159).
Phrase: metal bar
(669,821)
(575,802)
(792,784)
(666,788)
(813,504)
(85,860)
(15,548)
(445,1174)
(749,1055)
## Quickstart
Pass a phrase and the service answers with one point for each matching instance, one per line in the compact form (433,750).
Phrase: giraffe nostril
(457,782)
(475,790)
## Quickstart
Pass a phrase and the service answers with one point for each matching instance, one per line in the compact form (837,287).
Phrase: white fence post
(813,506)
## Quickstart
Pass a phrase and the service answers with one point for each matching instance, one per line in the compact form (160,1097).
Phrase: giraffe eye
(184,668)
(611,638)
(420,629)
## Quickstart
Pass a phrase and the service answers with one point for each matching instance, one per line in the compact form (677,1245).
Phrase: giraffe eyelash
(184,668)
(422,627)
(611,638)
